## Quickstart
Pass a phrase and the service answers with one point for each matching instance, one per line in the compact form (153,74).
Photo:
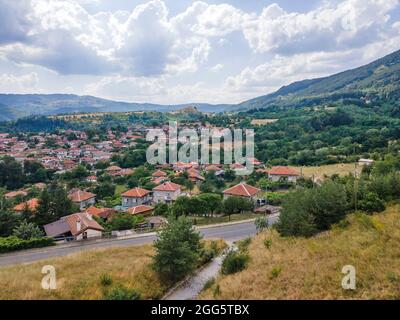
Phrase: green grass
(120,188)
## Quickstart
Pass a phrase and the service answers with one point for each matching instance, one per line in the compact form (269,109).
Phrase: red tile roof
(140,209)
(283,171)
(243,190)
(32,205)
(100,212)
(87,222)
(113,169)
(79,196)
(159,173)
(168,186)
(136,193)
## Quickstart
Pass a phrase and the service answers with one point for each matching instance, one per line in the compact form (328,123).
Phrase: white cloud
(332,26)
(217,68)
(27,83)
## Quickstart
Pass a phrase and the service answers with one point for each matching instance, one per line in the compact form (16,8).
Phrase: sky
(180,51)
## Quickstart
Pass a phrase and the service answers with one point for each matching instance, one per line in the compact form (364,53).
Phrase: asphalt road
(227,232)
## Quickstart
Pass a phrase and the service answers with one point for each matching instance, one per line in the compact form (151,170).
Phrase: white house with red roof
(243,190)
(166,192)
(283,174)
(82,198)
(135,197)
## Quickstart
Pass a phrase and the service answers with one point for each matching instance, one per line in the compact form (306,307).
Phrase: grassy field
(341,169)
(288,268)
(263,122)
(234,217)
(78,275)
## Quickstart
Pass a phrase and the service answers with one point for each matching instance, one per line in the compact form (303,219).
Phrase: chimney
(78,225)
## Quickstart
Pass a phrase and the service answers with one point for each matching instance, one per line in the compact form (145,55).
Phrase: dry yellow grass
(311,268)
(341,169)
(78,275)
(263,122)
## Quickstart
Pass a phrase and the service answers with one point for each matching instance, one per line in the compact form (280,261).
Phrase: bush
(13,243)
(105,280)
(234,262)
(261,223)
(27,231)
(206,255)
(372,203)
(243,245)
(309,211)
(122,293)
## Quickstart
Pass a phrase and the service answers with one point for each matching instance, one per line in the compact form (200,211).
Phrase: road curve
(232,232)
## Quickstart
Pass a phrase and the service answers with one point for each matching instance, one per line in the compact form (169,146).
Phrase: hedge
(13,243)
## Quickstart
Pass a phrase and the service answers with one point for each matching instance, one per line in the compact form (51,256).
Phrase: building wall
(160,196)
(86,204)
(129,202)
(90,234)
(277,178)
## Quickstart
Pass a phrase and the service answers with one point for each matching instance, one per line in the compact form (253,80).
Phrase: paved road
(227,232)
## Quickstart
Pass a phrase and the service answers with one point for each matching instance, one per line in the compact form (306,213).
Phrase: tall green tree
(178,250)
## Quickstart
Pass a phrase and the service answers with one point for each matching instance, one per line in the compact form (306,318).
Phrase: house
(159,174)
(82,198)
(365,162)
(195,176)
(166,192)
(31,205)
(13,194)
(104,213)
(243,190)
(91,179)
(156,221)
(283,174)
(113,169)
(141,209)
(78,226)
(134,197)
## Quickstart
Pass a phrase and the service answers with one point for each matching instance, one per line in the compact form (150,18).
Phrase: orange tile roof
(100,212)
(140,209)
(159,173)
(32,205)
(136,193)
(113,168)
(283,171)
(243,190)
(167,186)
(79,196)
(87,222)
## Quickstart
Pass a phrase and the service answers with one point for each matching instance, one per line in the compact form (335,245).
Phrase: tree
(27,230)
(8,221)
(123,221)
(11,175)
(105,190)
(372,203)
(308,211)
(177,248)
(212,202)
(233,205)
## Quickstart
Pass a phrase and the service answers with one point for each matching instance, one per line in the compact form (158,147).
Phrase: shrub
(209,283)
(261,223)
(372,203)
(13,243)
(27,231)
(206,255)
(105,280)
(234,262)
(275,272)
(268,243)
(122,293)
(243,245)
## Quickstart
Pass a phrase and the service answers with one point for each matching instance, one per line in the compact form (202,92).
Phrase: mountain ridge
(380,78)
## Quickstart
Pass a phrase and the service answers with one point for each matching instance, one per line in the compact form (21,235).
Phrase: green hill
(379,80)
